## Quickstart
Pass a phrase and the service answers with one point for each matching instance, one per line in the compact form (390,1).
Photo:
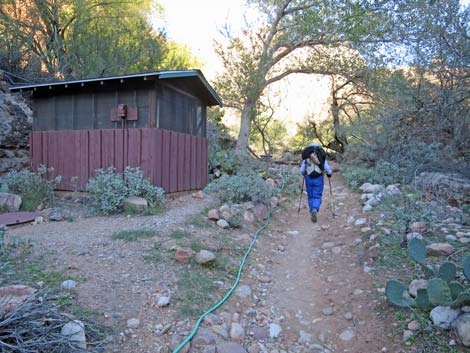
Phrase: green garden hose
(242,265)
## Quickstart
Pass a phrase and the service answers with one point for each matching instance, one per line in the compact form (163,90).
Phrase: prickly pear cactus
(397,294)
(422,299)
(447,271)
(462,300)
(417,250)
(455,289)
(466,267)
(439,292)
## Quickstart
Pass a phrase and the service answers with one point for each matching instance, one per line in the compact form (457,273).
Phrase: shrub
(33,187)
(241,188)
(109,189)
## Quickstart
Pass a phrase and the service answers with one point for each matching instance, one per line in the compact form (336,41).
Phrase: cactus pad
(397,294)
(422,299)
(447,271)
(466,267)
(417,250)
(439,292)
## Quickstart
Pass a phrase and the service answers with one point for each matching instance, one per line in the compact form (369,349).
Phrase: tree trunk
(245,124)
(340,140)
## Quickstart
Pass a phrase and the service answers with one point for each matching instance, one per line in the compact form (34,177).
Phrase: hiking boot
(313,216)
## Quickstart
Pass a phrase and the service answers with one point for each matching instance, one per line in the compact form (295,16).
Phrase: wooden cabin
(154,120)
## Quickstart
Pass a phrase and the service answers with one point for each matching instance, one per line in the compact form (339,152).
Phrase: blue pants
(314,188)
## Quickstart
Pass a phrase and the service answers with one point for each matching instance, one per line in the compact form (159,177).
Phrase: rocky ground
(305,288)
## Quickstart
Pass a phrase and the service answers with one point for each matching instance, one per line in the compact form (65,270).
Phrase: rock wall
(15,125)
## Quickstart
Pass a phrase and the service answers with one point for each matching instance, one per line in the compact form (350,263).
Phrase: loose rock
(199,195)
(75,331)
(415,285)
(274,330)
(163,301)
(134,203)
(56,215)
(248,217)
(443,316)
(11,202)
(230,348)
(237,333)
(133,323)
(347,335)
(183,254)
(440,249)
(213,215)
(414,235)
(360,222)
(204,257)
(243,291)
(68,284)
(261,212)
(407,334)
(462,326)
(222,223)
(418,227)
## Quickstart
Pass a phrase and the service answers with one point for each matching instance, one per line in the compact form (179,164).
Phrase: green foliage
(463,299)
(109,189)
(442,289)
(417,250)
(77,39)
(154,255)
(268,135)
(397,293)
(138,185)
(179,234)
(133,234)
(447,271)
(195,292)
(439,293)
(33,187)
(305,134)
(422,298)
(229,162)
(455,289)
(466,267)
(241,188)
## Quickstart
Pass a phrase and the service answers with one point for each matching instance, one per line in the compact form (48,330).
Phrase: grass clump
(133,234)
(154,254)
(196,292)
(179,234)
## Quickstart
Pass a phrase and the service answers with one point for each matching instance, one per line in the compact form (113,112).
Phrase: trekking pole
(332,199)
(301,192)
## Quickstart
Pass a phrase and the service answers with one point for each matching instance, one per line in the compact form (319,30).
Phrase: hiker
(314,165)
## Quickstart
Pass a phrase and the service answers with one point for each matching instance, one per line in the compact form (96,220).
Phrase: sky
(197,23)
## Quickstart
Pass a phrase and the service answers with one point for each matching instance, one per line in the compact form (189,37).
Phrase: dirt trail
(320,286)
(304,277)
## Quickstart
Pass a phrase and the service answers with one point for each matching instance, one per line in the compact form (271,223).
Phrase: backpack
(321,154)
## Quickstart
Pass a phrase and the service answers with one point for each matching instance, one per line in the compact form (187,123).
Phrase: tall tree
(296,36)
(45,39)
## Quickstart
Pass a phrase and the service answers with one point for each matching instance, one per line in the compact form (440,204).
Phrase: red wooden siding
(172,160)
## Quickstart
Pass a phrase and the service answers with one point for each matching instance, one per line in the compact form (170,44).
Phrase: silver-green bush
(109,189)
(241,188)
(33,187)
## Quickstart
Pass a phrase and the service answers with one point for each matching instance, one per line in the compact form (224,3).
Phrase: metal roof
(162,75)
